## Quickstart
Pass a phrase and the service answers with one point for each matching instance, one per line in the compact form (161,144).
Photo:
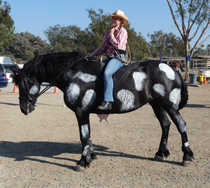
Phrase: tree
(139,47)
(25,46)
(64,39)
(6,26)
(72,38)
(192,13)
(99,25)
(166,44)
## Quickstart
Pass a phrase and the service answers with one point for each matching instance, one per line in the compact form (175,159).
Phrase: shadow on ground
(12,104)
(30,150)
(197,106)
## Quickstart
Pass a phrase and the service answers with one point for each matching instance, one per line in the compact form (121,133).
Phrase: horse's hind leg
(181,126)
(165,125)
(87,147)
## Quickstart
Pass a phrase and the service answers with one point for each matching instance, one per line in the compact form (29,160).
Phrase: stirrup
(105,106)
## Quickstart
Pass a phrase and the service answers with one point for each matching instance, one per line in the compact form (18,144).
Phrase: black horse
(81,81)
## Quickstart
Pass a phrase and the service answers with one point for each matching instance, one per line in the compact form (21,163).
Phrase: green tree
(138,45)
(72,38)
(157,41)
(166,44)
(191,14)
(100,24)
(25,45)
(65,39)
(6,26)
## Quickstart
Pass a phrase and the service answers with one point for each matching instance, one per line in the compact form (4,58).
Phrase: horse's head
(28,90)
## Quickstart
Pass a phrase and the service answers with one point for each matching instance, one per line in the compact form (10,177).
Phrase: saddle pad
(122,72)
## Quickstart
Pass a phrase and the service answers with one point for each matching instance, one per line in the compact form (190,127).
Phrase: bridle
(26,81)
(28,97)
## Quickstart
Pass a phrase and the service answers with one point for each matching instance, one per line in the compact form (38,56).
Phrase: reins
(127,55)
(50,85)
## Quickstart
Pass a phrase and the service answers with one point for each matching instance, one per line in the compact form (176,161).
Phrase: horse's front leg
(87,147)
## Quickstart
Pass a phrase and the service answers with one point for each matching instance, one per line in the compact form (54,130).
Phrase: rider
(115,45)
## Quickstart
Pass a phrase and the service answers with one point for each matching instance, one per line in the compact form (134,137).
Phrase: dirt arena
(41,149)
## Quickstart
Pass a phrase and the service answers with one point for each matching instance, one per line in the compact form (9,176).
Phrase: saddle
(122,72)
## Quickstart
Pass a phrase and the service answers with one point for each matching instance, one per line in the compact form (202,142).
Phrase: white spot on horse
(88,99)
(73,92)
(34,89)
(138,80)
(85,77)
(127,99)
(168,70)
(181,123)
(174,97)
(85,150)
(160,89)
(84,131)
(186,144)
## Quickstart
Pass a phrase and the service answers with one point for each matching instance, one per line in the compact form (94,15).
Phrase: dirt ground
(41,149)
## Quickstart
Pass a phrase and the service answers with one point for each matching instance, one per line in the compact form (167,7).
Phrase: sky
(145,16)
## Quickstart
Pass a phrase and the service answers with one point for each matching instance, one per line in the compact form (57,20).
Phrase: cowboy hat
(120,14)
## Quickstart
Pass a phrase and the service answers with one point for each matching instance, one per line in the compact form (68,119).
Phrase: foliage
(166,44)
(99,25)
(138,45)
(25,45)
(64,39)
(6,26)
(71,38)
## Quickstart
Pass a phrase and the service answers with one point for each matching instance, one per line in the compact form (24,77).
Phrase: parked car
(3,79)
(9,73)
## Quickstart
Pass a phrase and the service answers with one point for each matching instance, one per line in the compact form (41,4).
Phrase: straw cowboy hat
(120,14)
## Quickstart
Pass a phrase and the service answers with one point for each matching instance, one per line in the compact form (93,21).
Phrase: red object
(205,82)
(15,89)
(56,90)
(103,116)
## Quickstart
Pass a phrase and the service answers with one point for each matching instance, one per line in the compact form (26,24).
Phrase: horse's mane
(52,63)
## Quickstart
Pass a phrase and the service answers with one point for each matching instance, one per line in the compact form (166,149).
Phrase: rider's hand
(112,30)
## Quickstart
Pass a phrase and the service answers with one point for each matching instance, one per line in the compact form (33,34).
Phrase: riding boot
(105,106)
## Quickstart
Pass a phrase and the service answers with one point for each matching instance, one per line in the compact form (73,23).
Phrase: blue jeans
(113,65)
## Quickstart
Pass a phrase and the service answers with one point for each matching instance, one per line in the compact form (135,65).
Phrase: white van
(8,64)
(5,60)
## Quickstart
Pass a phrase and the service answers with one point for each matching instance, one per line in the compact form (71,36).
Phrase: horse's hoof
(186,163)
(158,158)
(79,168)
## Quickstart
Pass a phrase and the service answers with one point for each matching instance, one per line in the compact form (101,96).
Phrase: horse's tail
(184,93)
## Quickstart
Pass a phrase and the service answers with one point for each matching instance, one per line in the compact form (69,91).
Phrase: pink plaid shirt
(118,42)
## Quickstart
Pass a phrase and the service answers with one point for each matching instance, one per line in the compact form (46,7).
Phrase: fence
(196,65)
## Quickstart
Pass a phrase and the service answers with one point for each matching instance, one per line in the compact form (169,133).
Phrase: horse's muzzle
(31,108)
